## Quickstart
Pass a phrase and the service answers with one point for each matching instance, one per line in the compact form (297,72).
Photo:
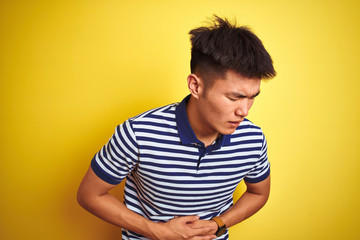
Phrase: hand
(186,228)
(205,223)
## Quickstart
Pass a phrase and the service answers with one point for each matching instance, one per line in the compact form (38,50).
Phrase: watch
(221,226)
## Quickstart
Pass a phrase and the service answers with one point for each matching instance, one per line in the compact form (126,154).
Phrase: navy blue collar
(186,133)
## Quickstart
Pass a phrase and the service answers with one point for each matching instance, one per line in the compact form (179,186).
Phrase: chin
(228,131)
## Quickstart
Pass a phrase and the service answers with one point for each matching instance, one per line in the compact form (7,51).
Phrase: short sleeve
(261,170)
(118,157)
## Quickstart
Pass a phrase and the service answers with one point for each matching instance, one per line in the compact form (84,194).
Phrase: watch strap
(221,226)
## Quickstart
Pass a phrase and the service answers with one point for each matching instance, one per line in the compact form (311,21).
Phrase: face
(225,104)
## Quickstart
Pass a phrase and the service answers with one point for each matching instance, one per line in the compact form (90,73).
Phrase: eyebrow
(240,95)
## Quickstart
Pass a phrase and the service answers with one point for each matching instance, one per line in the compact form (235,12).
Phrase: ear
(195,85)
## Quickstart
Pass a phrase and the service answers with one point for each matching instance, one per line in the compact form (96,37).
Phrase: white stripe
(245,138)
(168,115)
(233,155)
(160,129)
(170,146)
(156,120)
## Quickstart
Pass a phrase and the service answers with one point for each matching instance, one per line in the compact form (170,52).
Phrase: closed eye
(237,96)
(233,99)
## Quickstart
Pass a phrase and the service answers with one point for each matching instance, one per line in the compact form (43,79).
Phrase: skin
(214,110)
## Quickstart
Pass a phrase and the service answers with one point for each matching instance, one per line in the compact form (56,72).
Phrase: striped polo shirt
(169,172)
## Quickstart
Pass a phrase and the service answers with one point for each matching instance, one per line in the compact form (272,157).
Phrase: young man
(182,162)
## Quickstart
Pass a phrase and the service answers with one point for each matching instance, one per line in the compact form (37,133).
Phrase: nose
(242,109)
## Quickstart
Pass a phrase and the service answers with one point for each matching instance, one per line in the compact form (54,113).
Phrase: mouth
(235,123)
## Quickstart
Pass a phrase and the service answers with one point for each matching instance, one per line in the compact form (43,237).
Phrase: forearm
(110,209)
(248,204)
(244,208)
(94,196)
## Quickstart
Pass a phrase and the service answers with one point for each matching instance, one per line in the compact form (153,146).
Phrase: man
(182,162)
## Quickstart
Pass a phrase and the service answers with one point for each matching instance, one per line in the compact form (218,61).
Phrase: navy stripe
(155,140)
(157,132)
(154,124)
(170,150)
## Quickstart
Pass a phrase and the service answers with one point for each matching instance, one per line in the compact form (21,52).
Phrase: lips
(235,123)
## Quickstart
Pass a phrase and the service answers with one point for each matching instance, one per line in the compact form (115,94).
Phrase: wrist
(221,226)
(156,230)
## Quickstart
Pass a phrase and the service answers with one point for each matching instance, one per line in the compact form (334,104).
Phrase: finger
(202,231)
(188,218)
(200,224)
(204,224)
(207,237)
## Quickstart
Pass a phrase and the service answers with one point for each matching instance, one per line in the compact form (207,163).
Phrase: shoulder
(151,121)
(164,112)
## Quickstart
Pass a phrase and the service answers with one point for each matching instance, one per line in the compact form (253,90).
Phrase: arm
(94,196)
(254,198)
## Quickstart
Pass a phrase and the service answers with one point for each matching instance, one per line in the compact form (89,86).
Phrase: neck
(202,132)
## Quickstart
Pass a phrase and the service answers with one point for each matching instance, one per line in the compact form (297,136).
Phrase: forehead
(235,82)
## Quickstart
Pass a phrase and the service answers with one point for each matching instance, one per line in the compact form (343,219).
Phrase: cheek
(216,114)
(225,111)
(216,110)
(219,107)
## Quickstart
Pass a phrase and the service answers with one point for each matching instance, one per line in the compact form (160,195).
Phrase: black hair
(223,46)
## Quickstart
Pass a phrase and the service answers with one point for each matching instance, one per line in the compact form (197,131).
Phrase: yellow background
(72,70)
